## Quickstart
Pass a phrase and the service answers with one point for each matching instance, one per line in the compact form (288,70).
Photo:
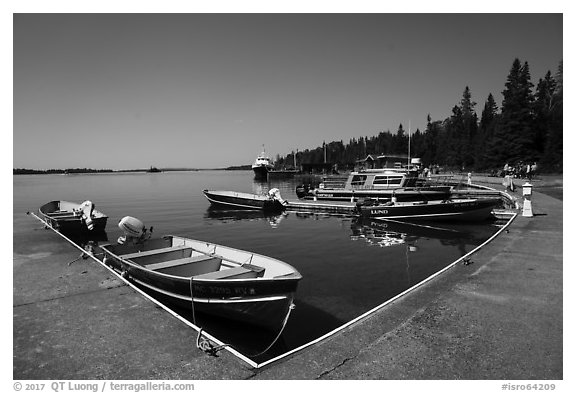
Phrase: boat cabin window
(358,180)
(387,180)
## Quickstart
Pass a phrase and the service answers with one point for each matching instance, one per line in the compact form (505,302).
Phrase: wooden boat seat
(182,261)
(154,252)
(61,214)
(244,271)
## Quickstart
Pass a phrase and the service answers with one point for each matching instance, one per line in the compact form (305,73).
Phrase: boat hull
(401,194)
(457,210)
(60,216)
(262,301)
(242,200)
(266,311)
(260,172)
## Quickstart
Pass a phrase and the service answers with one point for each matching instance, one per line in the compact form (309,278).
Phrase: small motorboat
(445,210)
(73,217)
(270,202)
(206,277)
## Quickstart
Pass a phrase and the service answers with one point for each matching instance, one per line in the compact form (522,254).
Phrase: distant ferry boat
(262,165)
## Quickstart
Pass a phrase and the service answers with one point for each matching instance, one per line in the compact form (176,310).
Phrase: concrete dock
(499,317)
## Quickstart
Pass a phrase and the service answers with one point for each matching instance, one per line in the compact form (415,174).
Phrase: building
(375,161)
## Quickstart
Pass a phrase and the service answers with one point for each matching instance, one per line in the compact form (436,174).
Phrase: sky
(128,91)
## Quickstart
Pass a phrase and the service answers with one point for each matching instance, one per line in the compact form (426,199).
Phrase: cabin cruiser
(262,165)
(377,184)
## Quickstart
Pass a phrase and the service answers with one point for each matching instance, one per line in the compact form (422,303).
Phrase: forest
(526,129)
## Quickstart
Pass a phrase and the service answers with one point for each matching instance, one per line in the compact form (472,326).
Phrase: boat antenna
(408,144)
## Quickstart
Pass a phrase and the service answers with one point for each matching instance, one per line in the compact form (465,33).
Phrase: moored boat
(378,184)
(261,166)
(209,278)
(270,202)
(71,217)
(445,210)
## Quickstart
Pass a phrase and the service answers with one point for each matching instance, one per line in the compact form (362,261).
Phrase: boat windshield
(358,180)
(411,182)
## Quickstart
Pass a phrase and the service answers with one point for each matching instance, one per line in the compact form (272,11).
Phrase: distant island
(239,168)
(26,171)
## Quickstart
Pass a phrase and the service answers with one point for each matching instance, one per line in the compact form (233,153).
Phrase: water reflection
(389,232)
(226,215)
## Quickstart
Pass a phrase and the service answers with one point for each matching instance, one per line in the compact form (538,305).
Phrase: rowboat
(445,210)
(73,217)
(376,184)
(210,278)
(270,202)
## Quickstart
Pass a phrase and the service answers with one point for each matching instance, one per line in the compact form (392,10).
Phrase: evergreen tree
(543,112)
(485,155)
(431,135)
(529,128)
(469,129)
(516,132)
(553,153)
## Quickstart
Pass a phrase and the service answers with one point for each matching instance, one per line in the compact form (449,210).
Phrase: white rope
(192,301)
(290,308)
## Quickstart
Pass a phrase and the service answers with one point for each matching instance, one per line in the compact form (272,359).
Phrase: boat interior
(186,258)
(186,262)
(63,209)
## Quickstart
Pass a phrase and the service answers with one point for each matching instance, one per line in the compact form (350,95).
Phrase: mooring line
(156,302)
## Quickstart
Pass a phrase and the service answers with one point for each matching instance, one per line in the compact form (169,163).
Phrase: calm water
(349,266)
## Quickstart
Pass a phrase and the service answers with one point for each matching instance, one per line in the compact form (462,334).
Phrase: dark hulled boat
(445,210)
(271,202)
(261,166)
(219,280)
(71,217)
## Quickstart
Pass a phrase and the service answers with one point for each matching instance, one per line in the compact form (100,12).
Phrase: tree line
(527,128)
(26,171)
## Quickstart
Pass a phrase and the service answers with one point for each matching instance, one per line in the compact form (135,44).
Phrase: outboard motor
(134,230)
(275,195)
(302,190)
(275,203)
(86,209)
